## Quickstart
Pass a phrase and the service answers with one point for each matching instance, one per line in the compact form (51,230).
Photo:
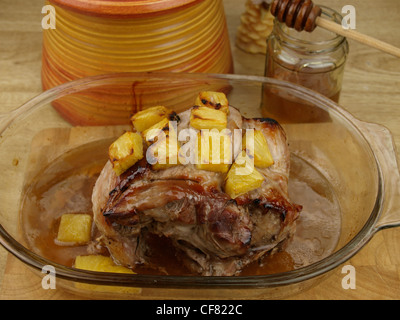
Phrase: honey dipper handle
(304,15)
(357,36)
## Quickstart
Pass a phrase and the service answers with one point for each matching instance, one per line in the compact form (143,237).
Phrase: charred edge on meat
(174,117)
(134,173)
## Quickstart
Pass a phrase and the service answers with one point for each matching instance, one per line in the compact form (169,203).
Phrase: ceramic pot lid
(123,8)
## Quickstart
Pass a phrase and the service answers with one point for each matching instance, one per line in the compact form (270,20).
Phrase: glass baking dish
(351,164)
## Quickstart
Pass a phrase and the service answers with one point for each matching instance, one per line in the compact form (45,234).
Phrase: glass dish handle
(382,143)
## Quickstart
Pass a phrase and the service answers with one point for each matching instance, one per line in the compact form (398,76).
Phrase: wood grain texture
(371,92)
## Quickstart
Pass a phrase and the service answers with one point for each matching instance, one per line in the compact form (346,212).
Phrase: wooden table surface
(371,92)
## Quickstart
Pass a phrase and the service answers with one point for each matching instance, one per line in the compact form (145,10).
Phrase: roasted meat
(213,233)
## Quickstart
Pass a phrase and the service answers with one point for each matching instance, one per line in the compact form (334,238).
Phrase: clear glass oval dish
(343,171)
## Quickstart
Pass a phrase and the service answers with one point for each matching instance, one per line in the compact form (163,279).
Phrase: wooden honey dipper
(304,15)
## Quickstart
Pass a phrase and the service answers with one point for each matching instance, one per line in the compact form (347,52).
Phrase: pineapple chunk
(154,131)
(215,100)
(214,150)
(103,264)
(207,118)
(165,154)
(242,177)
(258,149)
(126,151)
(99,263)
(145,119)
(75,228)
(163,151)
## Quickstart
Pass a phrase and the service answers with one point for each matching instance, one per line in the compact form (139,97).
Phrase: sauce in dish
(66,185)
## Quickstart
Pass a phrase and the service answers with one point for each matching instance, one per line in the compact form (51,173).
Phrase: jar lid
(123,8)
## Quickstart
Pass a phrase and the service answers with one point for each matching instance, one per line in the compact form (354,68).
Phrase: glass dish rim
(162,281)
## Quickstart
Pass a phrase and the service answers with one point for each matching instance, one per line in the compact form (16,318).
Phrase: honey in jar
(314,60)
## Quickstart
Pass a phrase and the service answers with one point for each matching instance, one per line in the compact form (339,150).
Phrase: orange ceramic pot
(99,37)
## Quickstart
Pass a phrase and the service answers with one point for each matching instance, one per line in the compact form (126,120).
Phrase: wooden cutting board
(377,266)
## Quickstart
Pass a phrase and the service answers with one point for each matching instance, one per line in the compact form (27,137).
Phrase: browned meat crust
(214,234)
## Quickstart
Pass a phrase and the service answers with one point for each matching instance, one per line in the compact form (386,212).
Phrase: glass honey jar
(315,60)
